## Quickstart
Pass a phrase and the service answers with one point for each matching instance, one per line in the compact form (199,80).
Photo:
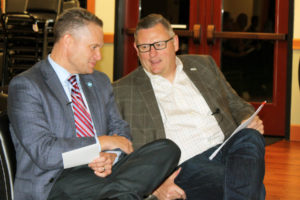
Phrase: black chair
(15,6)
(2,44)
(3,102)
(45,13)
(44,10)
(70,4)
(21,47)
(28,35)
(7,159)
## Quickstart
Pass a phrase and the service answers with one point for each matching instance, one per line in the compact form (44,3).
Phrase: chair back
(44,10)
(71,4)
(7,159)
(15,6)
(3,102)
(51,6)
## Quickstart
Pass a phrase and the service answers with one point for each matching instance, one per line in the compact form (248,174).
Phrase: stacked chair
(70,4)
(2,43)
(28,33)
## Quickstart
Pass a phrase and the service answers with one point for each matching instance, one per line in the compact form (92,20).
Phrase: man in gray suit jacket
(41,110)
(187,99)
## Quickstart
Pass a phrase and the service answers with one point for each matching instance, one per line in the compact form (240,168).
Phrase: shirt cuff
(118,155)
(97,142)
(116,152)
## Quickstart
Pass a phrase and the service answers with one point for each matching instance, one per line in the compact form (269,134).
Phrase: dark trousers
(236,173)
(134,176)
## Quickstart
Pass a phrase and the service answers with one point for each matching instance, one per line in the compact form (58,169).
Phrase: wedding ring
(103,169)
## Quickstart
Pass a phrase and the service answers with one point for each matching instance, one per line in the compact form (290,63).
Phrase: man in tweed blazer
(154,99)
(43,125)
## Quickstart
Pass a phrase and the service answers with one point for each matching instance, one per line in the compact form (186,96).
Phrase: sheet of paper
(240,127)
(80,156)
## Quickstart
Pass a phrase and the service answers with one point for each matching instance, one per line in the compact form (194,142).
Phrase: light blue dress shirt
(63,76)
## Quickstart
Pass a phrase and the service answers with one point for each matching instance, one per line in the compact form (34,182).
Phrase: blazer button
(51,180)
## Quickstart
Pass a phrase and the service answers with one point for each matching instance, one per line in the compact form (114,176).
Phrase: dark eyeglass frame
(165,42)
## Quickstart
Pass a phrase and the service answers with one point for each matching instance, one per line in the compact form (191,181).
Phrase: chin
(89,71)
(156,71)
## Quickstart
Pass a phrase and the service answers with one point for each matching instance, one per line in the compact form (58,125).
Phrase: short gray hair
(150,21)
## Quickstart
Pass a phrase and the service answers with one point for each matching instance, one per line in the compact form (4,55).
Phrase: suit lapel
(195,72)
(145,88)
(57,90)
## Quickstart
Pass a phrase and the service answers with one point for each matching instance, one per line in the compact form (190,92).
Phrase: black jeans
(133,177)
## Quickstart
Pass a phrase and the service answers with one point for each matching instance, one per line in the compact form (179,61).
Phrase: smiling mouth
(154,62)
(93,64)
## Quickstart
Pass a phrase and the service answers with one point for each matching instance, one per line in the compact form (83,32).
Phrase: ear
(136,49)
(176,42)
(68,40)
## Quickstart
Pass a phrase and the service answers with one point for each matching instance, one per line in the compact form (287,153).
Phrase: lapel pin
(89,84)
(193,69)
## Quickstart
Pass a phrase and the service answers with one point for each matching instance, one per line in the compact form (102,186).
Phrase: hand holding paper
(102,165)
(256,124)
(243,125)
(80,156)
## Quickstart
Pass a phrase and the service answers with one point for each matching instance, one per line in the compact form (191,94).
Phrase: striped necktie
(83,121)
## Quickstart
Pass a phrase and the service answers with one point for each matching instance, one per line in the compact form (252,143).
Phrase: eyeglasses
(143,48)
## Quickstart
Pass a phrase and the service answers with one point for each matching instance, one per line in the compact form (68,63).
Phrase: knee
(249,140)
(252,136)
(167,147)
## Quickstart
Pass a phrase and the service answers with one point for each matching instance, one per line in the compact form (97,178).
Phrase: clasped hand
(103,164)
(115,142)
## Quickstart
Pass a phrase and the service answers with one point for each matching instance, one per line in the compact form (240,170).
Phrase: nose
(152,51)
(98,55)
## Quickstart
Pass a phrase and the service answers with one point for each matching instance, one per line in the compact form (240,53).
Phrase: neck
(59,56)
(170,76)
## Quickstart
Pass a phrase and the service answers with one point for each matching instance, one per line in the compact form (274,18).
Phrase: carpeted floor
(272,139)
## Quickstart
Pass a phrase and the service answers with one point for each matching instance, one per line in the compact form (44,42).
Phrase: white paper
(80,156)
(240,127)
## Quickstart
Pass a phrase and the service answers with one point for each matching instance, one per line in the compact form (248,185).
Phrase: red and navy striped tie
(83,121)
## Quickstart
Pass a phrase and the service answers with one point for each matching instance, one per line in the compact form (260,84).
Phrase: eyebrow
(153,42)
(97,45)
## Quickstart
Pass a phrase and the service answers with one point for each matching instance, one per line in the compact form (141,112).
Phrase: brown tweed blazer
(138,106)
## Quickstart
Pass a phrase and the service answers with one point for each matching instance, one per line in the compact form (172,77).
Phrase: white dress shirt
(187,119)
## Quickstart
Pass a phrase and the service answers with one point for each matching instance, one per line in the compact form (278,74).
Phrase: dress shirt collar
(62,73)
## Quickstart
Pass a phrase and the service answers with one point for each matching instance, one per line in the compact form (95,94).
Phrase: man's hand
(115,142)
(103,164)
(169,190)
(256,124)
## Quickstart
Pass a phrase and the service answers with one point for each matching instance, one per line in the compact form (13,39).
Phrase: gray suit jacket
(138,106)
(43,127)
